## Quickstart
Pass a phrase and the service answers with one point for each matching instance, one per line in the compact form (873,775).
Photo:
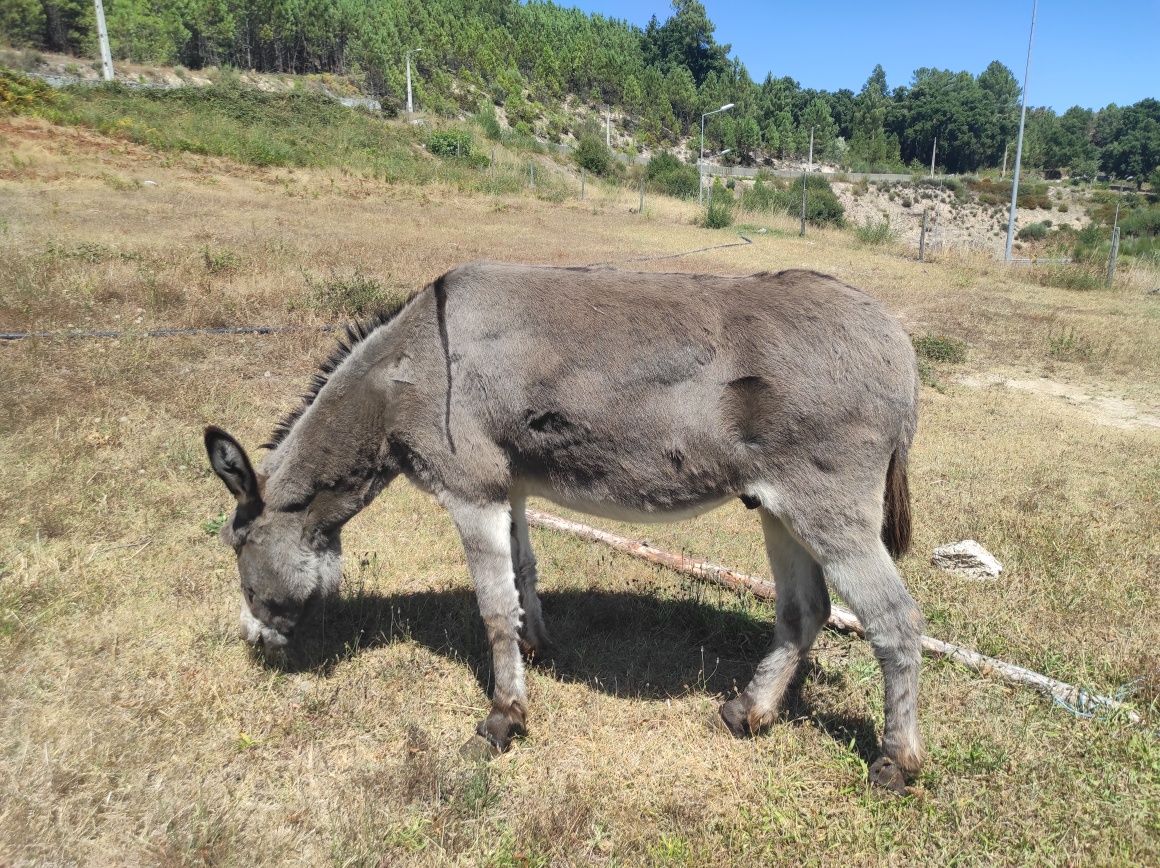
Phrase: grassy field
(136,728)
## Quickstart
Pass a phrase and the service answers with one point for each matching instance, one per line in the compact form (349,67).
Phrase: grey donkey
(636,396)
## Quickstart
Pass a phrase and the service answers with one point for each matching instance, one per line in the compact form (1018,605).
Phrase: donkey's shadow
(629,645)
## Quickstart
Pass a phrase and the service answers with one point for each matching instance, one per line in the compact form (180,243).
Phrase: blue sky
(1085,53)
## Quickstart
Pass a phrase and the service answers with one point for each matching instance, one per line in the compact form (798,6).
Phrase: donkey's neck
(337,455)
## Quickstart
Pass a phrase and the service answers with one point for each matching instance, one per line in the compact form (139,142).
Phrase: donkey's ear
(228,460)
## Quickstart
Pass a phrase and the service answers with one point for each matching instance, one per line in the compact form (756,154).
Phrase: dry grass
(135,728)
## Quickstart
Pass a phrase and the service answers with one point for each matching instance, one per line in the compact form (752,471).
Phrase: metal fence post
(1115,251)
(640,209)
(922,236)
(583,176)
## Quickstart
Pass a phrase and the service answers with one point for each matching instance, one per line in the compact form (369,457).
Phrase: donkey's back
(658,395)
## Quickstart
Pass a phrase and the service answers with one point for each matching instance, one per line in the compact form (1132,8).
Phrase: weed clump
(351,295)
(1071,275)
(1069,345)
(876,232)
(939,348)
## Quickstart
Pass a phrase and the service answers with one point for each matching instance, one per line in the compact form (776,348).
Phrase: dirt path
(1103,409)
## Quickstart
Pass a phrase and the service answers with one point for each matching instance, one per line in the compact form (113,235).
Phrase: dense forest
(530,57)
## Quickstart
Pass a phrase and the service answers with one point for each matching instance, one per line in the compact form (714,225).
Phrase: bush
(22,93)
(719,214)
(449,143)
(876,231)
(822,206)
(1033,232)
(592,154)
(939,348)
(666,174)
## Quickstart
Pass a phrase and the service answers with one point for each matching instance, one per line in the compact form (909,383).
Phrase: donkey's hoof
(478,749)
(886,773)
(735,715)
(500,727)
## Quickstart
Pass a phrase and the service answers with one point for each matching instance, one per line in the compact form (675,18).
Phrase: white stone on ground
(967,558)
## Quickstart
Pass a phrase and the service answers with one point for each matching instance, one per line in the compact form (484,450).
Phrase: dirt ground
(136,728)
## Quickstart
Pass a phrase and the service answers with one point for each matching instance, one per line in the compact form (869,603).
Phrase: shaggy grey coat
(630,395)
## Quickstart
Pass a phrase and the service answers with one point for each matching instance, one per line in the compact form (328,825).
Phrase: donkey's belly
(640,509)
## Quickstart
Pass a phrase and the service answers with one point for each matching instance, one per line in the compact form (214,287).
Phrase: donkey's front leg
(486,534)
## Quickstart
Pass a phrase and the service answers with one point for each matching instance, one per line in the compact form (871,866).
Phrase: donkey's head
(286,561)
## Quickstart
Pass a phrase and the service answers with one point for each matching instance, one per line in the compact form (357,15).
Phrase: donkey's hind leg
(486,534)
(802,608)
(870,583)
(534,641)
(845,538)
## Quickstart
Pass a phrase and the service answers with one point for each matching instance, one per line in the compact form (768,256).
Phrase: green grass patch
(1071,275)
(298,128)
(939,348)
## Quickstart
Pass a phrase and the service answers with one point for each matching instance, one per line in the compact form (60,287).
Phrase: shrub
(22,93)
(875,231)
(939,348)
(592,154)
(719,214)
(449,143)
(1033,232)
(822,206)
(666,174)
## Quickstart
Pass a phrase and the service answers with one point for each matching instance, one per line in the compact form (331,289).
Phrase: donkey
(636,396)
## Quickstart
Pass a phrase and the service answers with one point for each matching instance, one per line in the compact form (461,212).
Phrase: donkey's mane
(355,333)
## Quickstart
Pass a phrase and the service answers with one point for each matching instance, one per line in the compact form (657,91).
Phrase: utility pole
(811,162)
(933,151)
(608,127)
(1019,141)
(1006,148)
(103,39)
(410,104)
(802,233)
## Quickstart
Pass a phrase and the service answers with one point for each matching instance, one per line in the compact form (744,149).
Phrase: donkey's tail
(896,511)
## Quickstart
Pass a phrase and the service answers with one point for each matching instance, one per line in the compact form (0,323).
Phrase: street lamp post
(701,158)
(1019,142)
(410,104)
